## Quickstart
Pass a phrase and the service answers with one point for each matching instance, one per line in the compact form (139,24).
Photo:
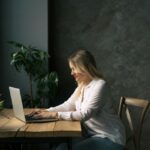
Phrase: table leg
(69,144)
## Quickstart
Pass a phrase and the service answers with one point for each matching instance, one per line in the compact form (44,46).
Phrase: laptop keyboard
(32,119)
(28,118)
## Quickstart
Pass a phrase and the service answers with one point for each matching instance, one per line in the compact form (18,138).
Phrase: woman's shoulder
(99,81)
(101,84)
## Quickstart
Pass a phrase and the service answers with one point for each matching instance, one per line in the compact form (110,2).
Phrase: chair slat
(135,128)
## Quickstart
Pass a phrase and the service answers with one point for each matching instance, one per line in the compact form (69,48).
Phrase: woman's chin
(77,80)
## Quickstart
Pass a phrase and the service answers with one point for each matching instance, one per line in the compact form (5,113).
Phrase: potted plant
(47,86)
(34,61)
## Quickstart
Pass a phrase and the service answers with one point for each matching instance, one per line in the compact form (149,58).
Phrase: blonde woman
(90,103)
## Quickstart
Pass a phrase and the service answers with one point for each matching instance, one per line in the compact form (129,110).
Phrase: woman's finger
(34,112)
(37,116)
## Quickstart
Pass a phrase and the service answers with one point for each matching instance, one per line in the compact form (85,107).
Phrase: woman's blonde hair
(85,62)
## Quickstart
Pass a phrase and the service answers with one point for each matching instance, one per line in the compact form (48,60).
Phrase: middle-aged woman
(90,103)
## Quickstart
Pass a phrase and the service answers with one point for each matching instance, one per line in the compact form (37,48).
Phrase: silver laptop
(18,108)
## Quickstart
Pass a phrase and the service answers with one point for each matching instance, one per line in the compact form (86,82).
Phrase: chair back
(132,112)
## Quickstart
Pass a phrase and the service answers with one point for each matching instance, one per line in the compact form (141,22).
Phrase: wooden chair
(132,112)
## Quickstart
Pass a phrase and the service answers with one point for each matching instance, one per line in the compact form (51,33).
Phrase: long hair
(85,62)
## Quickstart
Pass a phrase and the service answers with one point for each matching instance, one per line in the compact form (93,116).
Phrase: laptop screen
(17,103)
(18,108)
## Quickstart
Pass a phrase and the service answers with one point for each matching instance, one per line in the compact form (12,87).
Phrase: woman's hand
(45,114)
(36,111)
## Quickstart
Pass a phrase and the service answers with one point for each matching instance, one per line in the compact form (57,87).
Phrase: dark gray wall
(25,21)
(117,32)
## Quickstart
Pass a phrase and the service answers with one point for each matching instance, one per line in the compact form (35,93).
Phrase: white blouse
(94,109)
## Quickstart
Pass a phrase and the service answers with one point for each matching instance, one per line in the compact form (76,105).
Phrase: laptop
(18,108)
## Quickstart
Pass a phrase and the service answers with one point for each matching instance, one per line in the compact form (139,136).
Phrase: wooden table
(12,129)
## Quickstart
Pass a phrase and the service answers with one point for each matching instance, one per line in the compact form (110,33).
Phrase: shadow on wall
(116,32)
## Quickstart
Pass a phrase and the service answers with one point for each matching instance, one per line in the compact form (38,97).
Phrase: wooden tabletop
(12,127)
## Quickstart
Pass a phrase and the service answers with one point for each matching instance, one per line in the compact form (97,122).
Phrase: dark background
(116,32)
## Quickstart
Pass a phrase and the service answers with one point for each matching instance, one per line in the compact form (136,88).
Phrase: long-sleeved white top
(94,109)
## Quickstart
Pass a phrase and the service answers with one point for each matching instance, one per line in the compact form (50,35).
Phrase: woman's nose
(71,72)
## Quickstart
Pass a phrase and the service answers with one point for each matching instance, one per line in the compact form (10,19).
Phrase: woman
(92,105)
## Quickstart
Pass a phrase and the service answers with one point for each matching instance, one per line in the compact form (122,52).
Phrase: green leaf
(34,62)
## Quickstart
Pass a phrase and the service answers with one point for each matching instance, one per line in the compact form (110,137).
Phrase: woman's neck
(84,83)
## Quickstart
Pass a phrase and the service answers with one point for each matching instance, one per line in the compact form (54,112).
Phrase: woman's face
(78,75)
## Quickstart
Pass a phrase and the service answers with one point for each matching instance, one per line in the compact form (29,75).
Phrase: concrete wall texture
(117,32)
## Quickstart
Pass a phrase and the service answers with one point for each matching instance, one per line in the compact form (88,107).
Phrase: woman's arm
(68,105)
(94,99)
